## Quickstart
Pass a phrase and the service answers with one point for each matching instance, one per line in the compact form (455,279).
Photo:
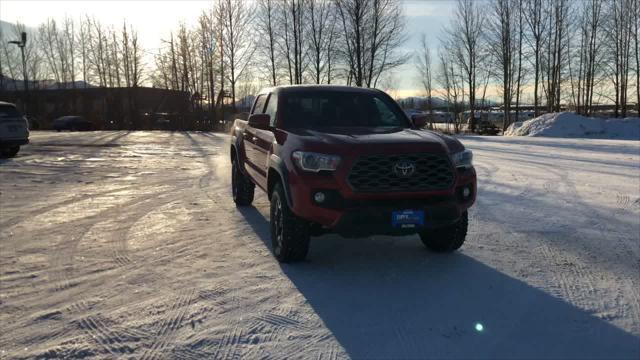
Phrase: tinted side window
(272,107)
(258,107)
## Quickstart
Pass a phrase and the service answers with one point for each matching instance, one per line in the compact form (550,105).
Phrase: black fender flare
(237,148)
(277,165)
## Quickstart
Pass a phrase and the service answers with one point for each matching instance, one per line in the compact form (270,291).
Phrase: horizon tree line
(554,52)
(578,53)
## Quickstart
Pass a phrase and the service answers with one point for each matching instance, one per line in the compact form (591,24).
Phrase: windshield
(8,111)
(318,109)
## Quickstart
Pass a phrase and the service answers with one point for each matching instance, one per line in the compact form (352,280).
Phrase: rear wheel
(289,233)
(9,152)
(446,239)
(243,189)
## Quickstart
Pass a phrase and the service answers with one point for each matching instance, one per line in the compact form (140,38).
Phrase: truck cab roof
(299,88)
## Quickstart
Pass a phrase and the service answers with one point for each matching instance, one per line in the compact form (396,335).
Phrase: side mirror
(419,121)
(260,121)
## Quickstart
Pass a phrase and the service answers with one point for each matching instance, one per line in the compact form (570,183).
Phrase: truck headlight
(463,159)
(315,162)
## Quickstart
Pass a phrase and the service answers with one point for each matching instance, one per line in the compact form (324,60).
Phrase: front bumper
(366,221)
(356,215)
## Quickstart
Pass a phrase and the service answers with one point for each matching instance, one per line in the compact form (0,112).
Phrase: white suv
(14,130)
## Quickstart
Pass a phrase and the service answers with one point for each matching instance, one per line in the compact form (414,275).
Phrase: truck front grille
(383,173)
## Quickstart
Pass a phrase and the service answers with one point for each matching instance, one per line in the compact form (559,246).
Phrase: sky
(154,20)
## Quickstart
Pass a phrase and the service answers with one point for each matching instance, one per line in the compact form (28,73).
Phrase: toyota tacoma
(348,160)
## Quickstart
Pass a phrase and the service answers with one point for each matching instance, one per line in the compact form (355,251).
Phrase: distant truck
(14,130)
(349,161)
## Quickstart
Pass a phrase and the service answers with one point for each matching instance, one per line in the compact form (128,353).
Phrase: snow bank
(570,125)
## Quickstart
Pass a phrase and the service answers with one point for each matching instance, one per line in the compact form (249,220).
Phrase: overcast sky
(154,20)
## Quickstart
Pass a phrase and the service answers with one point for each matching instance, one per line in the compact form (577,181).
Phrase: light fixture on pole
(21,44)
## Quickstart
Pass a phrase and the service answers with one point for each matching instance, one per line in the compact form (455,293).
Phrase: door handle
(254,139)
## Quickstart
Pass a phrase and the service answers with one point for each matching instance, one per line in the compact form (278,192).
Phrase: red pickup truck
(349,161)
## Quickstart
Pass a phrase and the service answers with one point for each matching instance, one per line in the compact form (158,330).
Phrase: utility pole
(21,44)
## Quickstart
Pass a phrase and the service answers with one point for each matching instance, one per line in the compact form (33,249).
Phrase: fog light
(319,197)
(466,192)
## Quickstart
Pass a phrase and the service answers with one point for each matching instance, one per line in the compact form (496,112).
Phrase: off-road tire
(242,188)
(9,152)
(448,238)
(289,233)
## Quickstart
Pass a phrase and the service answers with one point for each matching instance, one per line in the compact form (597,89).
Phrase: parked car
(486,127)
(14,130)
(349,161)
(72,123)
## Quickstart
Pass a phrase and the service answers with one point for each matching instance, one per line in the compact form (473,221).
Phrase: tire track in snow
(230,345)
(623,244)
(166,332)
(33,214)
(62,258)
(106,338)
(333,354)
(110,339)
(575,282)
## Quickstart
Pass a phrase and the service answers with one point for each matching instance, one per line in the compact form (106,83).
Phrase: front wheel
(242,188)
(289,233)
(448,238)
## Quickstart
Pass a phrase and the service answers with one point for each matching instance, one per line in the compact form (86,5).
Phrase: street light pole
(21,44)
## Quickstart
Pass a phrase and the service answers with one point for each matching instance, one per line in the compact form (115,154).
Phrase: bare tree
(619,38)
(636,33)
(320,16)
(465,34)
(589,53)
(266,25)
(83,38)
(373,32)
(503,43)
(70,43)
(48,38)
(236,36)
(518,80)
(534,15)
(208,43)
(423,65)
(557,51)
(451,85)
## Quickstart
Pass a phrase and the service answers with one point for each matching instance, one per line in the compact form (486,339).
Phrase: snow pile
(570,125)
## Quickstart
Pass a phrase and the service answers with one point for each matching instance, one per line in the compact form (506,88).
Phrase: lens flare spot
(479,327)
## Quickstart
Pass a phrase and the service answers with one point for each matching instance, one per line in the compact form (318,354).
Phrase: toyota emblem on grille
(404,168)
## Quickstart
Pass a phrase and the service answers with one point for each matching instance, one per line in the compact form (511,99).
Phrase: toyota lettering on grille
(404,168)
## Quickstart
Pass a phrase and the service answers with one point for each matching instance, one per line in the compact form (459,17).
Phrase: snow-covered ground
(571,125)
(127,244)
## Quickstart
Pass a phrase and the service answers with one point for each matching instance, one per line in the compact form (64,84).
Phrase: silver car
(14,130)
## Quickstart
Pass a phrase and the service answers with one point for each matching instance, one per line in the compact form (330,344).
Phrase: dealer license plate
(407,219)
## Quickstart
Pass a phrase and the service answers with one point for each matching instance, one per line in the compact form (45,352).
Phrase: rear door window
(271,109)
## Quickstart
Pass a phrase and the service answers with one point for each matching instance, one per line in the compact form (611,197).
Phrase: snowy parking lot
(128,244)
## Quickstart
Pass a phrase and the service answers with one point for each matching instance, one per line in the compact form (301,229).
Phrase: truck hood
(410,139)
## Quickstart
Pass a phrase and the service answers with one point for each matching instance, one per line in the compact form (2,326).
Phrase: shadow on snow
(385,297)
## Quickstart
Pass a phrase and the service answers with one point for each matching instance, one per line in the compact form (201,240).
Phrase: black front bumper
(13,142)
(376,220)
